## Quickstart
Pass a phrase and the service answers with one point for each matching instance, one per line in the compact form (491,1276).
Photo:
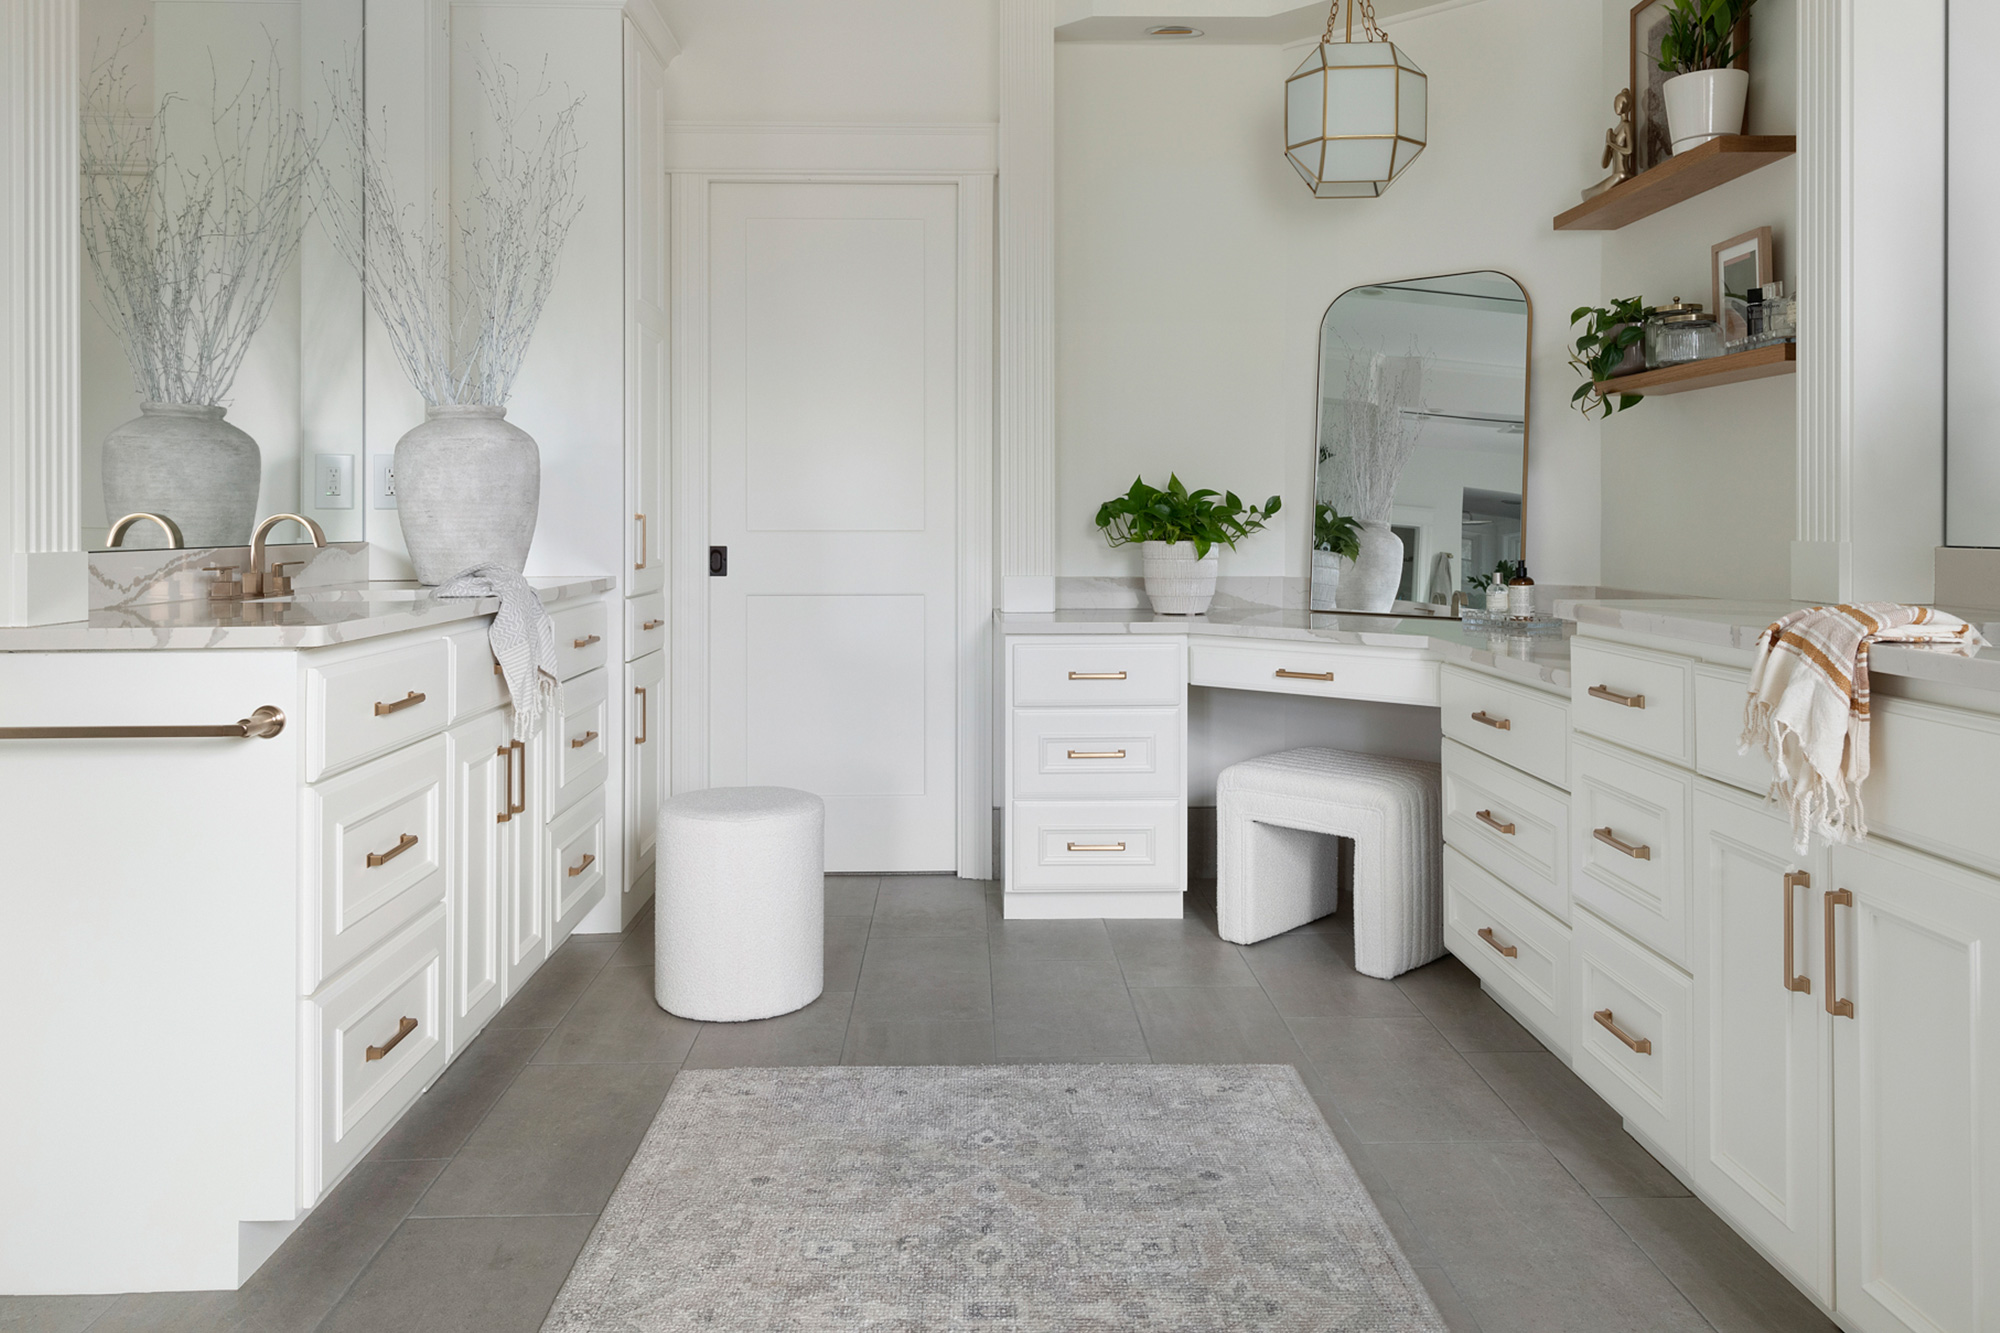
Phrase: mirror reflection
(222,336)
(1422,442)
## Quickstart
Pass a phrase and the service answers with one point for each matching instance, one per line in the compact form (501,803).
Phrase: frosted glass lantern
(1356,115)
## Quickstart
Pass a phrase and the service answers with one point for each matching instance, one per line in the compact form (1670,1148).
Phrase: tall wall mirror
(1431,373)
(206,283)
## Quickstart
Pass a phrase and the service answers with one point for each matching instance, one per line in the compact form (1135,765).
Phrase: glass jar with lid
(1678,332)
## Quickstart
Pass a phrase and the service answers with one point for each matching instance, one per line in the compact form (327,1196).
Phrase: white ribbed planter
(1176,583)
(1705,104)
(1325,580)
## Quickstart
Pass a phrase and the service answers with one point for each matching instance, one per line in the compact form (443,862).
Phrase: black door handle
(718,562)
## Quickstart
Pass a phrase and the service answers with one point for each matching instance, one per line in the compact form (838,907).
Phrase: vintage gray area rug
(1057,1198)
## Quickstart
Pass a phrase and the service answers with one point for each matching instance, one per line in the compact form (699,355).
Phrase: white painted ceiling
(1226,22)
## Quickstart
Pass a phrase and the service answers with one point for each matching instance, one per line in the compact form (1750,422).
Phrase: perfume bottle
(1521,594)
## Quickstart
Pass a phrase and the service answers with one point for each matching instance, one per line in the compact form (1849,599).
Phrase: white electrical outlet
(333,481)
(383,481)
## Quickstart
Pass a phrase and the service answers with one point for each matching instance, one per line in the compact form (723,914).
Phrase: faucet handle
(281,582)
(228,584)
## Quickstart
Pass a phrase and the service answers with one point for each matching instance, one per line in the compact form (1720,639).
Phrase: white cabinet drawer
(1719,696)
(376,1041)
(1634,1034)
(1933,773)
(1393,675)
(1098,845)
(360,706)
(1516,725)
(1093,673)
(1512,825)
(1632,696)
(476,683)
(1628,840)
(1521,953)
(575,864)
(1113,754)
(374,848)
(578,742)
(645,625)
(580,638)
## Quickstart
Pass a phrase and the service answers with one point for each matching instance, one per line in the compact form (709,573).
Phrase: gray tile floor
(1520,1200)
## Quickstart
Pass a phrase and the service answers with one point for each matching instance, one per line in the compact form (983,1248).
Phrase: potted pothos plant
(1180,534)
(1609,346)
(1336,538)
(1705,97)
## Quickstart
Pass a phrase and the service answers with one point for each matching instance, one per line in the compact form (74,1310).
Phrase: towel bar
(263,724)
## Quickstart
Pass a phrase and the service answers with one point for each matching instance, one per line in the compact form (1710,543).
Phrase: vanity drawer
(1642,698)
(575,864)
(476,683)
(1121,752)
(374,851)
(1516,725)
(1628,838)
(580,638)
(1719,696)
(1394,675)
(1092,673)
(1520,952)
(578,742)
(645,625)
(1512,825)
(1644,1073)
(376,1041)
(1098,845)
(368,704)
(1932,775)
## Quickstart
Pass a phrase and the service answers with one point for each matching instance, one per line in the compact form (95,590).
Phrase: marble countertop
(315,618)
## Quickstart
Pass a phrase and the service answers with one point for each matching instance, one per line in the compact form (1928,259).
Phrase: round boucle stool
(739,930)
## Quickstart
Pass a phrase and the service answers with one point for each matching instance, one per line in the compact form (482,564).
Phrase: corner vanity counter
(234,960)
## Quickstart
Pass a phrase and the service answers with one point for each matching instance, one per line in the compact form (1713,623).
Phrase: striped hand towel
(1808,705)
(523,639)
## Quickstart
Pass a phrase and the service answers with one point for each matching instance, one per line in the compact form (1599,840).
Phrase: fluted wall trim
(1825,265)
(40,510)
(1026,327)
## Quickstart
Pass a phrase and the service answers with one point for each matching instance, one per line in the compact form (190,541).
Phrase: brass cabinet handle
(1504,950)
(583,740)
(1800,982)
(643,553)
(1486,817)
(1612,696)
(640,690)
(403,844)
(1282,674)
(496,668)
(1838,1008)
(1609,839)
(1097,675)
(646,625)
(1642,1045)
(583,865)
(520,749)
(410,700)
(506,753)
(1097,754)
(403,1029)
(1097,846)
(1497,723)
(587,640)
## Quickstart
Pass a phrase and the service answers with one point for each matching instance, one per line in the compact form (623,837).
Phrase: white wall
(1193,268)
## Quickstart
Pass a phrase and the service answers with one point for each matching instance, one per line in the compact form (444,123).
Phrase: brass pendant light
(1357,111)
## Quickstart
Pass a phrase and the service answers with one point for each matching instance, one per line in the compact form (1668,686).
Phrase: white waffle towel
(523,639)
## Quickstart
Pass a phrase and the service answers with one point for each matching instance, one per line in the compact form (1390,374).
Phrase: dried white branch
(1378,429)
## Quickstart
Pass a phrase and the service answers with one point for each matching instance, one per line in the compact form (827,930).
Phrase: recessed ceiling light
(1173,30)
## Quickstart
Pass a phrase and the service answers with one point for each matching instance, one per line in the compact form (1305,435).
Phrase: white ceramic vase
(1705,104)
(1325,580)
(468,489)
(1176,582)
(1370,583)
(187,464)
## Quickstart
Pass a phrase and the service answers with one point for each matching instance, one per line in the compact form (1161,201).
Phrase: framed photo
(1737,265)
(1651,144)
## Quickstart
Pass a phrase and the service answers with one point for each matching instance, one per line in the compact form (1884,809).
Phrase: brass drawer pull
(1504,950)
(1097,675)
(583,740)
(1609,839)
(1838,1008)
(1486,817)
(1282,674)
(1612,696)
(1097,846)
(1642,1045)
(648,625)
(1800,982)
(403,1029)
(1497,723)
(496,668)
(643,543)
(583,865)
(403,844)
(640,690)
(587,640)
(410,700)
(509,752)
(1097,754)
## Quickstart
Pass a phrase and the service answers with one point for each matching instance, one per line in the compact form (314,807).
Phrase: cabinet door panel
(479,870)
(645,748)
(527,885)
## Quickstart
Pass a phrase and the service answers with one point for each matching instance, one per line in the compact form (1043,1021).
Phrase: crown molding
(841,149)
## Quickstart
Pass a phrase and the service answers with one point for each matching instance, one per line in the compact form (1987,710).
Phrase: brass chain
(1371,31)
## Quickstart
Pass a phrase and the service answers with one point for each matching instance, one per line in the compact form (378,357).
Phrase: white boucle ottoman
(1272,877)
(739,927)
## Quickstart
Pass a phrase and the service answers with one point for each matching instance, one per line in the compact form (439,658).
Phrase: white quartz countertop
(315,618)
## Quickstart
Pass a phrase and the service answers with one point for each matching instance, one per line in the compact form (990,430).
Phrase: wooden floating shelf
(1759,363)
(1682,176)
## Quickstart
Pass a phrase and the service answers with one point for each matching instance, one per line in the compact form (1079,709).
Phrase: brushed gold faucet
(175,541)
(257,582)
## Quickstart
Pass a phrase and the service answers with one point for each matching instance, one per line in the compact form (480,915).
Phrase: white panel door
(1916,1092)
(479,862)
(1763,1127)
(833,420)
(645,765)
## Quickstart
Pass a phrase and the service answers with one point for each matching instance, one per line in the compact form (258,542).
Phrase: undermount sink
(374,592)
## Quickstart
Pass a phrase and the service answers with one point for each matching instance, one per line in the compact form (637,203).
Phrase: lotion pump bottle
(1521,594)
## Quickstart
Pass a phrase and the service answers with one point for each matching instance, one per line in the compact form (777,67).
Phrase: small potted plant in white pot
(1336,539)
(1180,534)
(1705,98)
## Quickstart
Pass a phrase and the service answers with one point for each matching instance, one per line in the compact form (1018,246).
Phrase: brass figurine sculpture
(1617,146)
